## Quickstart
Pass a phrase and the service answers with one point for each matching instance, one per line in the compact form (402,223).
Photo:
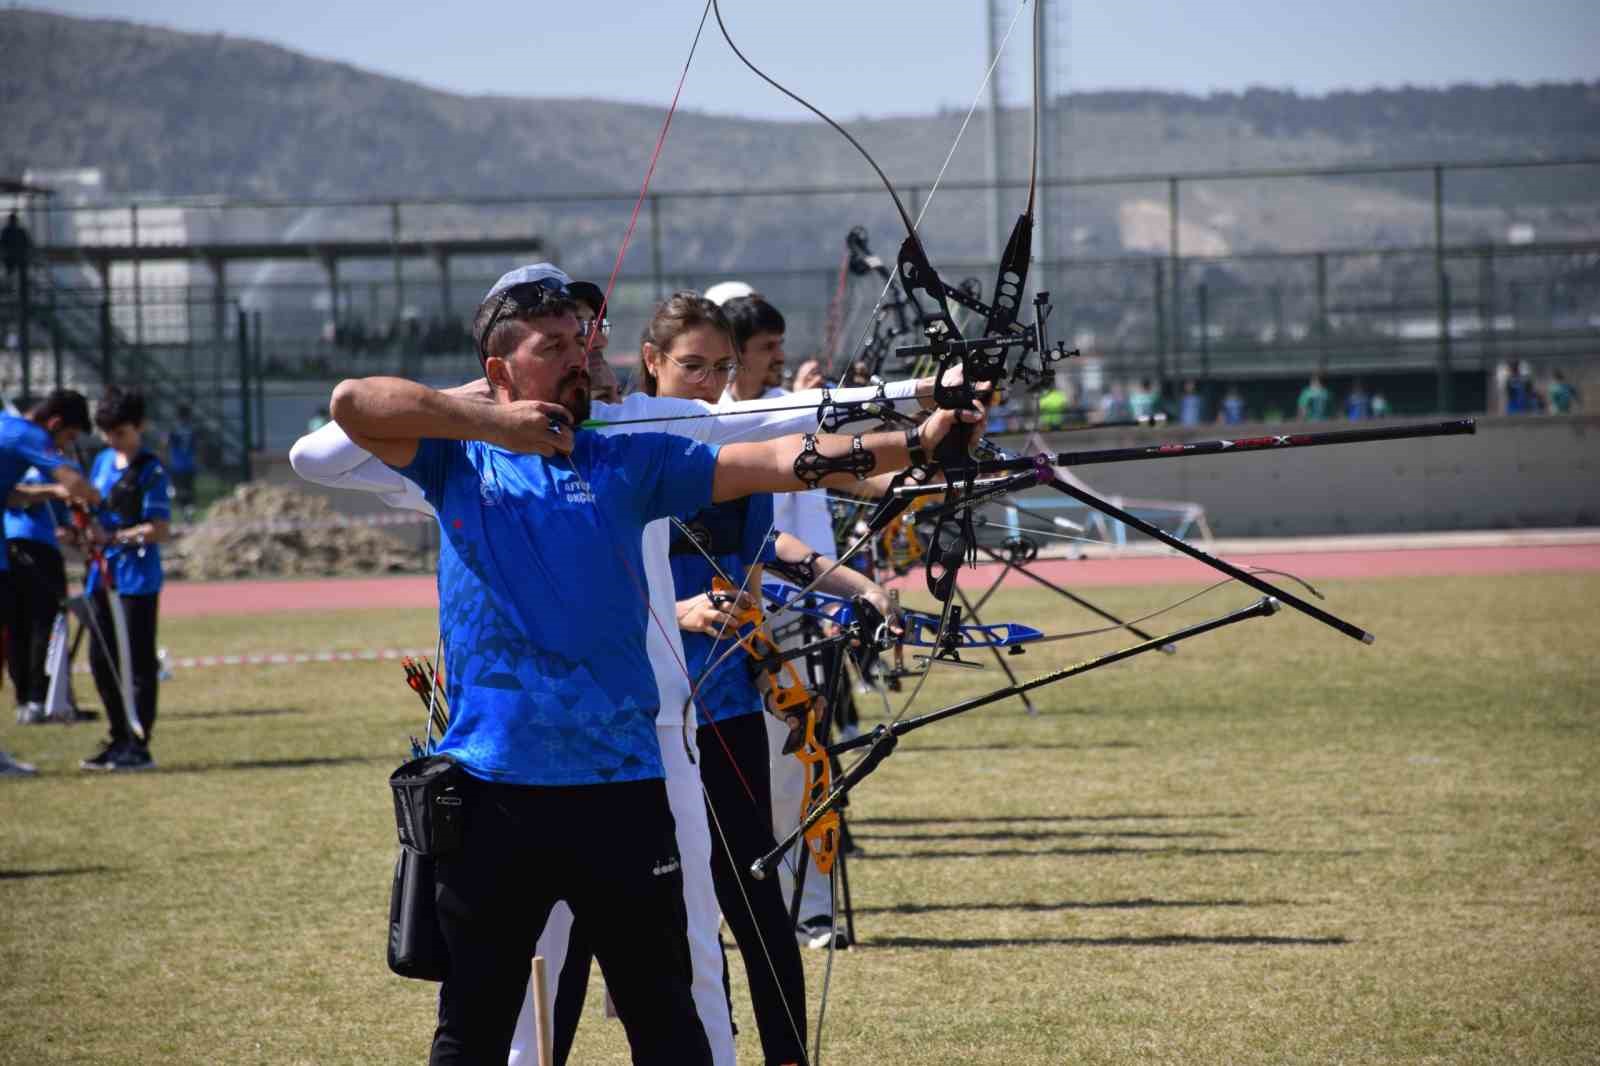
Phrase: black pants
(609,851)
(39,581)
(739,807)
(141,616)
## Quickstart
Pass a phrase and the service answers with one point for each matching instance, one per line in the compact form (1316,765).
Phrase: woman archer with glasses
(689,352)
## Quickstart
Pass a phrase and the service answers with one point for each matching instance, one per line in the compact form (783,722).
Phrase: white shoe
(818,931)
(10,767)
(30,713)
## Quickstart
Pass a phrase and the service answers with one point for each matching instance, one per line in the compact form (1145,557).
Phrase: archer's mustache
(579,378)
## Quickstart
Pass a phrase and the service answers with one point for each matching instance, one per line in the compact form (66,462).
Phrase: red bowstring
(627,238)
(661,139)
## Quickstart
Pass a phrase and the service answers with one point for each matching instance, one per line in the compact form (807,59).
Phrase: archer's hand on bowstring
(527,433)
(531,426)
(713,613)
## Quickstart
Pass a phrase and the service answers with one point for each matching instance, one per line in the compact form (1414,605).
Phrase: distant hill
(176,113)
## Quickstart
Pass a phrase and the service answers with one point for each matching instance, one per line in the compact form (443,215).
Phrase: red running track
(189,599)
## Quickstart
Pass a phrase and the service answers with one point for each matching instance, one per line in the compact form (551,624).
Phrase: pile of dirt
(266,530)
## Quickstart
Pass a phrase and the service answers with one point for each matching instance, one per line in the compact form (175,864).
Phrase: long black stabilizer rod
(1239,574)
(1459,427)
(881,742)
(1042,463)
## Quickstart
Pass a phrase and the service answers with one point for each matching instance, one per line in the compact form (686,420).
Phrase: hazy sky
(875,57)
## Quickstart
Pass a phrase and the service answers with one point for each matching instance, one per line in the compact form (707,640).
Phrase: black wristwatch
(919,457)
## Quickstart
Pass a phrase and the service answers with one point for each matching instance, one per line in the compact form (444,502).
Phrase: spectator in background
(1191,406)
(1114,405)
(1380,405)
(14,245)
(1143,400)
(1522,395)
(1233,411)
(1563,397)
(1357,404)
(136,518)
(181,462)
(1313,403)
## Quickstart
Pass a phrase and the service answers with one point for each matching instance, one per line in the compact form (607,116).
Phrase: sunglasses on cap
(525,297)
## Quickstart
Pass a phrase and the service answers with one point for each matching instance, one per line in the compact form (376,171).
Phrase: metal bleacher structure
(76,322)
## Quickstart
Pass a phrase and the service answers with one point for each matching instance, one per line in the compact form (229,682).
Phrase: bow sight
(984,359)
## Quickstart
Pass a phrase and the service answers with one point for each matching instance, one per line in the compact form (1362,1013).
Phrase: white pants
(688,805)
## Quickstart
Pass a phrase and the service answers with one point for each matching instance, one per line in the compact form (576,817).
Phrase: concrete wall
(1526,472)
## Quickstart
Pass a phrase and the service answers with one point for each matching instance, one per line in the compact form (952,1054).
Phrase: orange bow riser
(822,839)
(783,695)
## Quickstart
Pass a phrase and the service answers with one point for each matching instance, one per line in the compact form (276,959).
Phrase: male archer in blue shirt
(543,611)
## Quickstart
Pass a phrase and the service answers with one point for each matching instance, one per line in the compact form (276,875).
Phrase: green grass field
(1277,846)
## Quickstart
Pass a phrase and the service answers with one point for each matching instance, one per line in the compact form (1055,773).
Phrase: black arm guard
(811,466)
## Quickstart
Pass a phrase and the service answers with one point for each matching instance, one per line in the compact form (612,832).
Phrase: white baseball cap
(724,291)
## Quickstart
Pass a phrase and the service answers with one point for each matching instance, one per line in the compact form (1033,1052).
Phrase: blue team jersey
(136,570)
(745,526)
(180,449)
(39,522)
(24,444)
(542,600)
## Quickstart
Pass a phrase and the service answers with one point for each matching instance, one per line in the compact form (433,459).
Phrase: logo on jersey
(489,488)
(577,490)
(661,869)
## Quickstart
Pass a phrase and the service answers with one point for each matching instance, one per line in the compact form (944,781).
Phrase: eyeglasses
(697,373)
(525,297)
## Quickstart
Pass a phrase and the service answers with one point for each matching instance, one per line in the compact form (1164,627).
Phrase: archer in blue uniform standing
(34,513)
(135,519)
(38,441)
(553,696)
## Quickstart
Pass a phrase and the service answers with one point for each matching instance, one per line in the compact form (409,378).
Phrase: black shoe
(132,757)
(104,759)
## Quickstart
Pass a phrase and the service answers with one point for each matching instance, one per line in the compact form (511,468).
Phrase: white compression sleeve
(329,457)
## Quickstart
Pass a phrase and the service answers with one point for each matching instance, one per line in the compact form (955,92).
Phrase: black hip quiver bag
(429,813)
